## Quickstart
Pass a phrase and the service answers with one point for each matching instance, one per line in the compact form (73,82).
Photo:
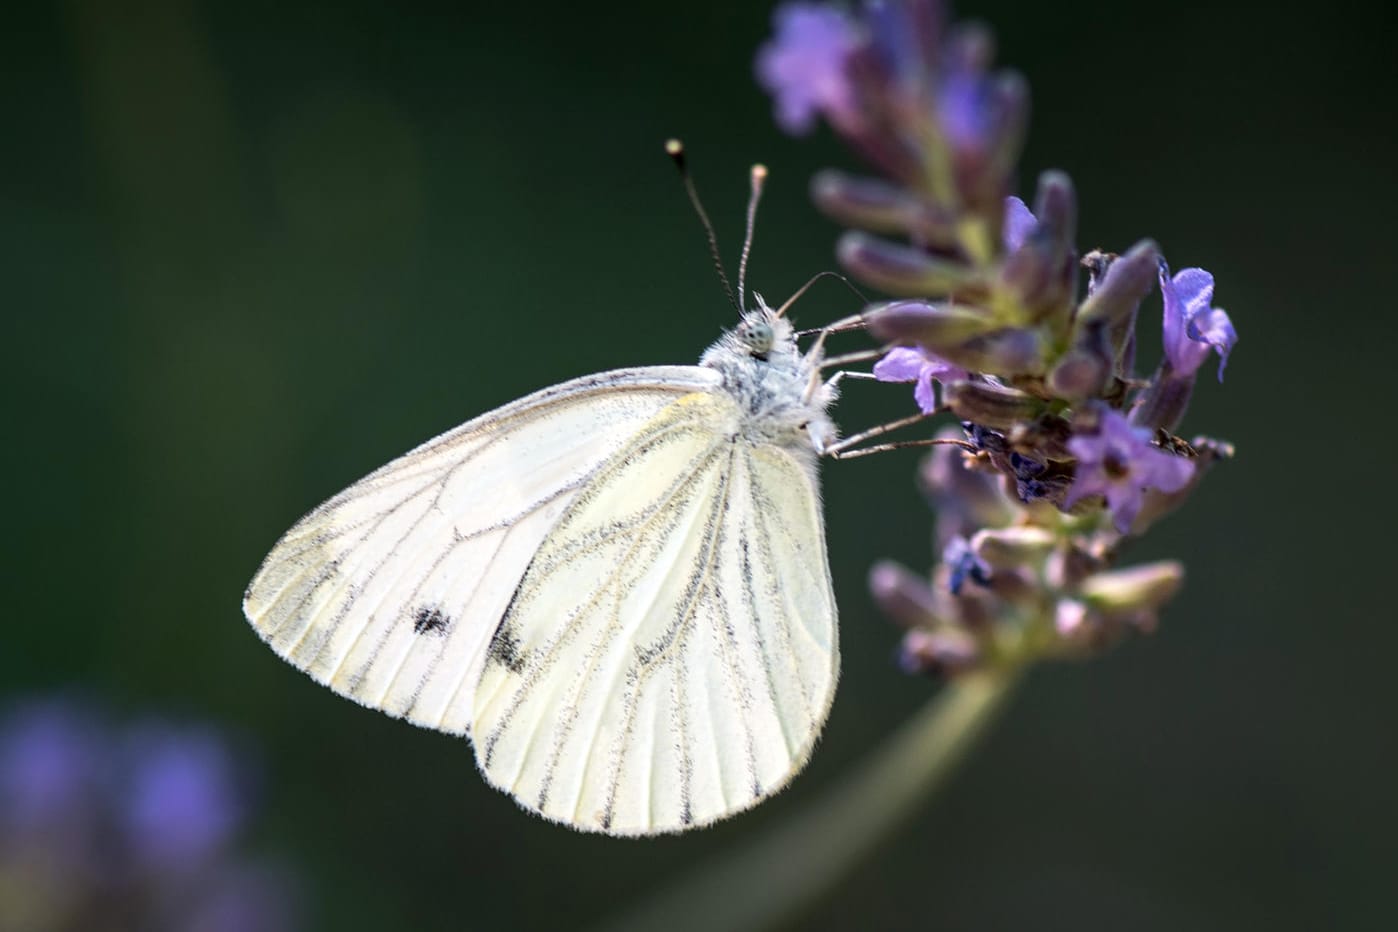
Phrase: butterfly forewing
(670,654)
(391,591)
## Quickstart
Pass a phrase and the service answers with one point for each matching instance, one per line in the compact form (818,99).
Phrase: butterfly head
(756,334)
(761,332)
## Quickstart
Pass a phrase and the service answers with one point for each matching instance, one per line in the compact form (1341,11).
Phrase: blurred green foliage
(252,251)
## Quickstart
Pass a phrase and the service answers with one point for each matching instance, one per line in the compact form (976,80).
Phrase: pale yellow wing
(670,655)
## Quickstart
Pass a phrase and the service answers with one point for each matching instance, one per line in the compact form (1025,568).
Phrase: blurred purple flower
(137,826)
(1193,326)
(1120,463)
(182,802)
(248,897)
(803,67)
(49,757)
(963,104)
(915,364)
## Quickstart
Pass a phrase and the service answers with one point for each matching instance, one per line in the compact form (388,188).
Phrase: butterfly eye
(756,336)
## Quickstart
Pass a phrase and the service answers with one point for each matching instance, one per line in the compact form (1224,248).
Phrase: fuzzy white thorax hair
(778,390)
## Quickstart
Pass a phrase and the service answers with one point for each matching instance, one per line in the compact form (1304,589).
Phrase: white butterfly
(617,587)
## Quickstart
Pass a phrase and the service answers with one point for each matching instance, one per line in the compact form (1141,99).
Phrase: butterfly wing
(670,655)
(391,591)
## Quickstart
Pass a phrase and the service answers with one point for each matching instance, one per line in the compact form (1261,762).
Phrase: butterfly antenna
(675,149)
(786,305)
(759,176)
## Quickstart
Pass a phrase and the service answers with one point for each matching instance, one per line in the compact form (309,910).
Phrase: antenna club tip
(673,147)
(759,172)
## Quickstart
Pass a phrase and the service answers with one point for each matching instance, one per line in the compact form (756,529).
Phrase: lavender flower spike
(1120,463)
(1192,325)
(904,364)
(803,68)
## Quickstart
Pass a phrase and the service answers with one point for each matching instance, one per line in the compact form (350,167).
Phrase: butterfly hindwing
(670,654)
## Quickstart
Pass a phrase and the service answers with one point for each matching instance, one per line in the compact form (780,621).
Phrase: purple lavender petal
(803,67)
(1125,502)
(1088,450)
(1195,288)
(1086,483)
(1019,222)
(1120,462)
(906,364)
(1177,346)
(900,364)
(1192,325)
(1156,469)
(943,371)
(182,804)
(1120,436)
(1213,328)
(923,394)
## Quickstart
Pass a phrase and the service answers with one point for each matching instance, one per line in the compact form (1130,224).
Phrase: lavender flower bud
(923,322)
(907,35)
(1131,591)
(879,207)
(1066,568)
(1011,547)
(1042,272)
(989,404)
(903,270)
(1009,351)
(1115,296)
(938,652)
(1165,400)
(981,119)
(1009,97)
(1082,372)
(902,595)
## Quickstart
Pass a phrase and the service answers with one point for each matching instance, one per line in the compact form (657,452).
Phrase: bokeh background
(251,251)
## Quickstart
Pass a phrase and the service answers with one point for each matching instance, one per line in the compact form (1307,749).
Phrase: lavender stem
(778,877)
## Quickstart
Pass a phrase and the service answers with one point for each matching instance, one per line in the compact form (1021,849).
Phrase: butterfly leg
(845,448)
(833,382)
(844,454)
(814,353)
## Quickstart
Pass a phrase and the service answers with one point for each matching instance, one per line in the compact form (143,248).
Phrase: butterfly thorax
(779,396)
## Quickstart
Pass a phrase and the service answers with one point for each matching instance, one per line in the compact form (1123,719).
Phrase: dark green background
(251,251)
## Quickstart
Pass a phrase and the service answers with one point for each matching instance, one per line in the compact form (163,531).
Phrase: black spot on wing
(505,650)
(429,619)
